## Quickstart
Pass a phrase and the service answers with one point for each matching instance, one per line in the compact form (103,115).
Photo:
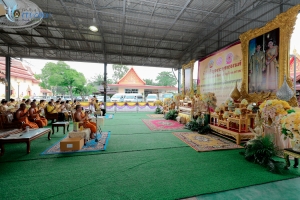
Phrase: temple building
(23,82)
(131,82)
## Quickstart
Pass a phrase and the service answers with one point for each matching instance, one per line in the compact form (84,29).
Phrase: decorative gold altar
(285,22)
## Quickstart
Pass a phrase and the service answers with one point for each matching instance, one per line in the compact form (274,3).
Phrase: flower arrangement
(226,115)
(222,106)
(229,100)
(290,123)
(217,109)
(158,103)
(210,99)
(237,112)
(273,108)
(250,107)
(244,102)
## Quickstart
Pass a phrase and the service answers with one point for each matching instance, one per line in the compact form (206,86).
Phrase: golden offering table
(232,135)
(224,123)
(214,117)
(240,122)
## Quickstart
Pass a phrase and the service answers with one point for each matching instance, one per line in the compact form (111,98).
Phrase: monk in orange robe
(22,116)
(83,120)
(34,113)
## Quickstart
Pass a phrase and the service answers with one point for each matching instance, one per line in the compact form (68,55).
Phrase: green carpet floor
(138,164)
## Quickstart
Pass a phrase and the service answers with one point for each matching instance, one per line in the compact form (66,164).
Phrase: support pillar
(7,76)
(105,81)
(179,81)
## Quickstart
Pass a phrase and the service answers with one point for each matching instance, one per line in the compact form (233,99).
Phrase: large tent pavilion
(157,33)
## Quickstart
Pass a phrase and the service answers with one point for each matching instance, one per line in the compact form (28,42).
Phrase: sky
(90,70)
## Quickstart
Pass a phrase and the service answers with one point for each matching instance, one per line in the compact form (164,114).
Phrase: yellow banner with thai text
(219,72)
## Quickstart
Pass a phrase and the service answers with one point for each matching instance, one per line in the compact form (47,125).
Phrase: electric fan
(18,14)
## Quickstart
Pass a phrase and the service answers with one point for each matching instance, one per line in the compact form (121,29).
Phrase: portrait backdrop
(219,72)
(263,62)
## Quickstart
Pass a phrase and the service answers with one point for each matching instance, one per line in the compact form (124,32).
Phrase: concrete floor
(281,190)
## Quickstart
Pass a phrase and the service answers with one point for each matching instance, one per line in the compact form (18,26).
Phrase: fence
(130,107)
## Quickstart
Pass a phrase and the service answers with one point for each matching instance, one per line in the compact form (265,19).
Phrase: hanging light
(93,26)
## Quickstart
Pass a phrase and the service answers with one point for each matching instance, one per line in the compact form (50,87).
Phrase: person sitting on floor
(27,104)
(64,110)
(3,106)
(83,120)
(34,115)
(51,108)
(22,116)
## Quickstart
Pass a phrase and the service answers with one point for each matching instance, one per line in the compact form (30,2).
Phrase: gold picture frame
(285,22)
(187,78)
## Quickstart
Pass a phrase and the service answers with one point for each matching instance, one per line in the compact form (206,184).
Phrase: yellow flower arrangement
(222,106)
(158,103)
(290,123)
(217,109)
(274,107)
(244,102)
(226,115)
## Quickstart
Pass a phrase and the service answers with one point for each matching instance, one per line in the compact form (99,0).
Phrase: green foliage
(166,79)
(149,81)
(26,97)
(84,90)
(172,114)
(119,72)
(196,125)
(60,74)
(98,80)
(158,110)
(260,151)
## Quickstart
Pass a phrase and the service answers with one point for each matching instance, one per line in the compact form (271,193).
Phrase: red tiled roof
(19,70)
(45,90)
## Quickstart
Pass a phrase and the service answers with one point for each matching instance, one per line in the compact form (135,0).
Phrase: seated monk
(22,116)
(35,114)
(84,121)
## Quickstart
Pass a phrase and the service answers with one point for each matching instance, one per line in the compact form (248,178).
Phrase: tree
(166,79)
(119,72)
(149,81)
(84,90)
(60,74)
(98,80)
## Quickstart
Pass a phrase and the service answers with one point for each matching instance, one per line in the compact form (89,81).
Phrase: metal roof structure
(160,33)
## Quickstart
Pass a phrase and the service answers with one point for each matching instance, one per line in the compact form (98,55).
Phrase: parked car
(167,95)
(151,98)
(118,97)
(132,97)
(101,98)
(78,98)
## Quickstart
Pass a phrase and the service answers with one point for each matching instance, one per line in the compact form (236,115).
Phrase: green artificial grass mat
(138,164)
(153,174)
